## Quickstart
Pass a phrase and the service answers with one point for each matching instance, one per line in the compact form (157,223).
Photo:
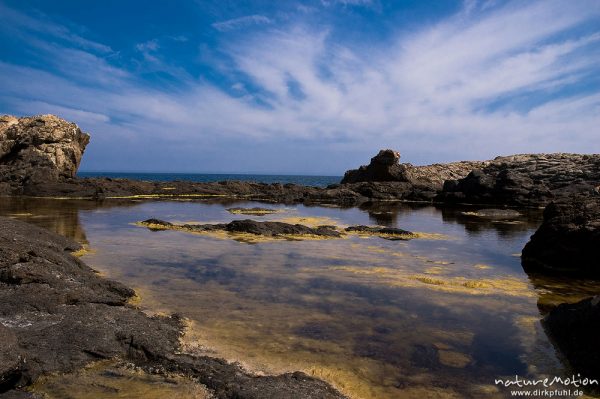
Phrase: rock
(526,180)
(568,241)
(269,229)
(256,211)
(388,233)
(39,149)
(385,167)
(496,214)
(58,315)
(574,331)
(10,359)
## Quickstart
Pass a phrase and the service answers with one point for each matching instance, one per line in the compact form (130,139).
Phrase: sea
(305,180)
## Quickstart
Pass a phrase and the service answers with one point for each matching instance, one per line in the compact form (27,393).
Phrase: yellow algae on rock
(111,379)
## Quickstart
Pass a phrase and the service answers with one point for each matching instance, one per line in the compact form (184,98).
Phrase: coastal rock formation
(57,315)
(38,149)
(268,229)
(385,167)
(568,241)
(39,156)
(526,180)
(574,329)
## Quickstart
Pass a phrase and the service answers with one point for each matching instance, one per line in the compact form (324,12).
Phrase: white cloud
(427,94)
(241,22)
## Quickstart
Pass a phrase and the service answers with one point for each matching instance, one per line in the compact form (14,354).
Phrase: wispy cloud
(17,20)
(491,79)
(241,22)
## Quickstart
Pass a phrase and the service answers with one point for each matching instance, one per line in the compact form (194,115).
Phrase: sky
(305,87)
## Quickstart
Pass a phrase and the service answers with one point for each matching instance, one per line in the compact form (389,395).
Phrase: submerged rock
(252,211)
(388,233)
(568,241)
(574,330)
(496,214)
(58,315)
(38,149)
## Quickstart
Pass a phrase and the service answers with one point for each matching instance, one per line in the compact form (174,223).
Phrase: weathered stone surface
(568,241)
(527,179)
(57,315)
(574,330)
(38,149)
(269,229)
(385,167)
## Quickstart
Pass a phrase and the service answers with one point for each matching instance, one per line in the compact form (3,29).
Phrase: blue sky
(312,87)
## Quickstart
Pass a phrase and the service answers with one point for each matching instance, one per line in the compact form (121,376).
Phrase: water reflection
(379,319)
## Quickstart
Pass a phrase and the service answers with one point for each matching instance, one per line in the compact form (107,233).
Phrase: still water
(436,317)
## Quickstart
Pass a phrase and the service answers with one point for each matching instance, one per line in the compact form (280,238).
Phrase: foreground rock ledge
(57,315)
(568,241)
(574,330)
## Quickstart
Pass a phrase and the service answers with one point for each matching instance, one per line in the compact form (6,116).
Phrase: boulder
(383,167)
(568,241)
(574,330)
(38,149)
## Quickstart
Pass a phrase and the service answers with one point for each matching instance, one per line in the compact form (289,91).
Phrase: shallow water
(440,316)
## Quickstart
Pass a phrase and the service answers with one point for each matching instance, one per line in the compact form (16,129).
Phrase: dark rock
(385,167)
(568,241)
(574,330)
(526,180)
(269,229)
(38,150)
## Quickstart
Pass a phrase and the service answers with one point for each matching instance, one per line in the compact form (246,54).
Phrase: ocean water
(317,181)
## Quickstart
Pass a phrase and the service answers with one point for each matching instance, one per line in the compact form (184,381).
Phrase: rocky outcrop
(268,229)
(57,315)
(574,331)
(39,156)
(568,241)
(37,150)
(385,167)
(527,180)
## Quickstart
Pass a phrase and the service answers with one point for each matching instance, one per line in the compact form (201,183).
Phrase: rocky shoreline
(58,315)
(39,157)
